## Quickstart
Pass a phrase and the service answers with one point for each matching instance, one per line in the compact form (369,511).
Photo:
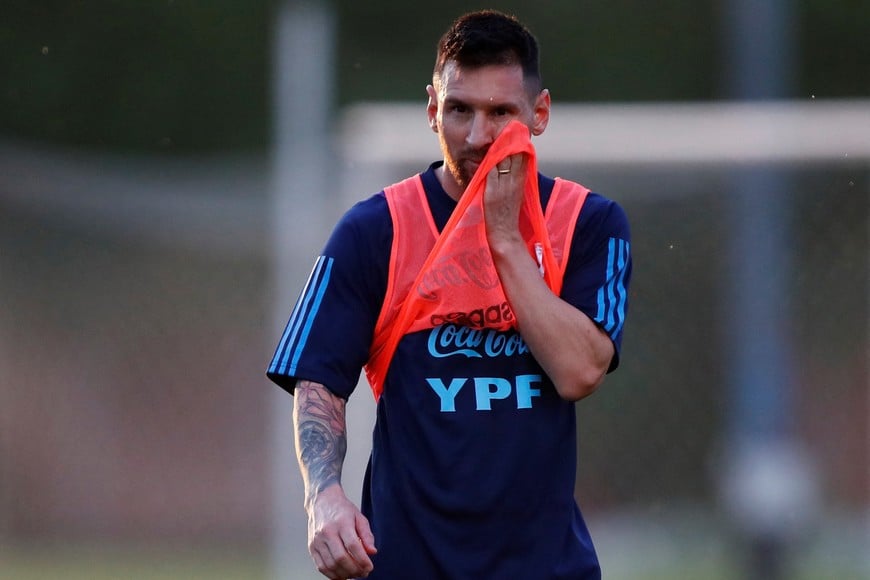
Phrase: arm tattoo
(321,438)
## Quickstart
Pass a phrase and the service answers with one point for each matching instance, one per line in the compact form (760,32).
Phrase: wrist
(327,490)
(503,246)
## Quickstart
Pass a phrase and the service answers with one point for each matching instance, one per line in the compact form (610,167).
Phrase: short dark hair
(490,37)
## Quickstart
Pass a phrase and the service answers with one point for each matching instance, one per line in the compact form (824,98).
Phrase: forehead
(486,83)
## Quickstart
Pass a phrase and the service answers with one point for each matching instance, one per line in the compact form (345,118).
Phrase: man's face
(469,108)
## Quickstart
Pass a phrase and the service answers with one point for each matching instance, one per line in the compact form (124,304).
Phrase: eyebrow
(509,105)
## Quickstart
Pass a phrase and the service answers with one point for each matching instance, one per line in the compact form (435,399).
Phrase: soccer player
(477,332)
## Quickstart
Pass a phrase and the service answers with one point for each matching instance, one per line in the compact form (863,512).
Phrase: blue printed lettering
(446,394)
(525,392)
(488,388)
(447,340)
(498,344)
(452,339)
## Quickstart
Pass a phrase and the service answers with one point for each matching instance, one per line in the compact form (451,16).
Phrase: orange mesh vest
(450,277)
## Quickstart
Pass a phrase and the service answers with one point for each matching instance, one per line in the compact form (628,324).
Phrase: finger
(518,163)
(364,531)
(344,564)
(322,561)
(504,166)
(361,561)
(492,179)
(327,552)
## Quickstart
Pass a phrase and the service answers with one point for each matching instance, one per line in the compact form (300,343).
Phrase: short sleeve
(598,274)
(330,328)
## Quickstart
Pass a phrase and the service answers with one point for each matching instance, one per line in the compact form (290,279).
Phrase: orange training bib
(451,278)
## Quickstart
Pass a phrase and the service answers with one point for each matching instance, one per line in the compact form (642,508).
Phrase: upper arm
(330,328)
(599,269)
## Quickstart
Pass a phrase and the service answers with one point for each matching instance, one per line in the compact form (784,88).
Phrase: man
(473,460)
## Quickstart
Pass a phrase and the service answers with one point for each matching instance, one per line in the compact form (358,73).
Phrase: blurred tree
(154,76)
(591,50)
(834,52)
(178,76)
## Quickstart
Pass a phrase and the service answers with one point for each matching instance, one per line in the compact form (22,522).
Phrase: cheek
(451,135)
(502,123)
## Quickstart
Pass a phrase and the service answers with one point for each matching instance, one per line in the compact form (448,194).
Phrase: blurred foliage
(590,51)
(179,76)
(142,75)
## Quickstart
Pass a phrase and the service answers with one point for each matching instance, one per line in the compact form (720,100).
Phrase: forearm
(321,436)
(573,351)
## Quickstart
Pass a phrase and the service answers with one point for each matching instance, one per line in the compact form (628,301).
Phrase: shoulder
(598,215)
(367,223)
(370,211)
(601,223)
(603,216)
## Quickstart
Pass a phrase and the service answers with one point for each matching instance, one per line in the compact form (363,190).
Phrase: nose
(482,131)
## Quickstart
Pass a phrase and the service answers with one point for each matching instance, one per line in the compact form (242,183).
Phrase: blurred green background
(134,411)
(179,77)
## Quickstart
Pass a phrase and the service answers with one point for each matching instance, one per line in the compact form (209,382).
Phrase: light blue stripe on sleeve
(309,320)
(291,323)
(620,285)
(612,295)
(602,306)
(613,251)
(299,315)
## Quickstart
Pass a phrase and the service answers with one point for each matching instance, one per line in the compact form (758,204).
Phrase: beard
(463,166)
(461,175)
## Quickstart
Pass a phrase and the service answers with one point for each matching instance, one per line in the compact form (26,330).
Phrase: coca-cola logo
(449,340)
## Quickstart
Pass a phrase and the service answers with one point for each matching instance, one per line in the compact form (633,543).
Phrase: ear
(542,112)
(432,108)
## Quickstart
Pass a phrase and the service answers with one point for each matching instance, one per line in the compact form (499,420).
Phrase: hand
(503,198)
(340,539)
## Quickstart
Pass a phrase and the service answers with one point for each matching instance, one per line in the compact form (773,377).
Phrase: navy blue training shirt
(474,453)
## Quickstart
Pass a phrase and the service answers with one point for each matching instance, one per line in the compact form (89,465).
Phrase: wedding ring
(504,171)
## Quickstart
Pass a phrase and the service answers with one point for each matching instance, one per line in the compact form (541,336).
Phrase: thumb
(364,531)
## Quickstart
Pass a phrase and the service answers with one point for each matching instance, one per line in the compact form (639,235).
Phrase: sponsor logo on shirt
(453,339)
(468,267)
(478,318)
(457,340)
(488,389)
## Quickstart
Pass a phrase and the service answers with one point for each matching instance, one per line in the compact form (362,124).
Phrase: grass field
(630,548)
(105,563)
(130,563)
